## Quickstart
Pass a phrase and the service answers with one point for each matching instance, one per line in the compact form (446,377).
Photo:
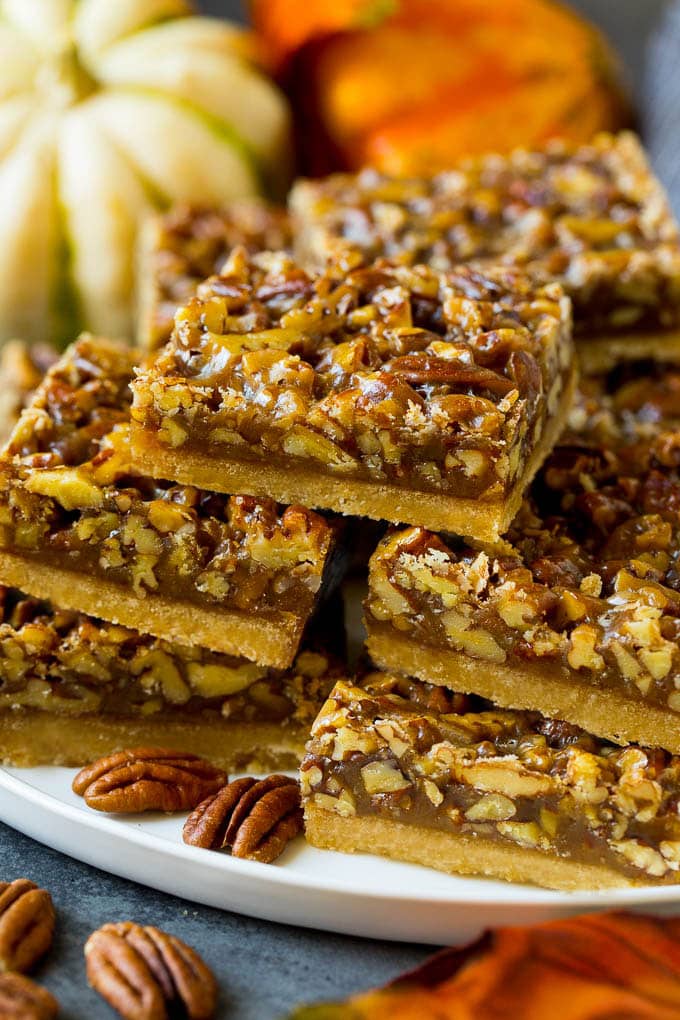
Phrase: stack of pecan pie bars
(406,351)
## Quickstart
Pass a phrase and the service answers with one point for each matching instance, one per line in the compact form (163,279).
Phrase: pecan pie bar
(181,248)
(390,392)
(81,527)
(577,615)
(420,774)
(73,688)
(593,217)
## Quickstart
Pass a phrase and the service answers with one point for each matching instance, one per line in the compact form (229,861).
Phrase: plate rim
(219,863)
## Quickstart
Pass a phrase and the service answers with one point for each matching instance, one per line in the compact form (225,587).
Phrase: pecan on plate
(146,974)
(148,779)
(26,924)
(254,819)
(22,999)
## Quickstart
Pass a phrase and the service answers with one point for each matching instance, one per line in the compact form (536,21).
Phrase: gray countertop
(264,969)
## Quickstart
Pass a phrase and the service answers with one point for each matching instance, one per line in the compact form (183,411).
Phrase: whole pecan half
(254,819)
(148,779)
(26,924)
(141,971)
(22,999)
(421,369)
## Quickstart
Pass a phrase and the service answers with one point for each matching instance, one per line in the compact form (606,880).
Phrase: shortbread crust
(455,854)
(73,687)
(29,737)
(609,713)
(271,641)
(575,614)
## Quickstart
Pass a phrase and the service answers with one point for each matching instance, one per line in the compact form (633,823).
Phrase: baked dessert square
(392,392)
(420,774)
(577,614)
(80,526)
(74,688)
(180,248)
(593,217)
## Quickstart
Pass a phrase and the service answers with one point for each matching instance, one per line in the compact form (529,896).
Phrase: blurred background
(646,35)
(628,23)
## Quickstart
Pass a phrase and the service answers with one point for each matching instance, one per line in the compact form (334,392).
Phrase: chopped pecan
(256,820)
(26,924)
(141,971)
(22,999)
(147,779)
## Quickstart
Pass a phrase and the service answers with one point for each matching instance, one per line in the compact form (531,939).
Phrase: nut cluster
(511,776)
(592,217)
(255,819)
(22,368)
(189,243)
(438,381)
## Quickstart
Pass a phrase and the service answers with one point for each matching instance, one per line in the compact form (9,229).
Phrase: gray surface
(266,969)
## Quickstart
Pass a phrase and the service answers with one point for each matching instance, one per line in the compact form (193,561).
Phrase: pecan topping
(141,971)
(147,779)
(22,999)
(26,924)
(255,820)
(420,370)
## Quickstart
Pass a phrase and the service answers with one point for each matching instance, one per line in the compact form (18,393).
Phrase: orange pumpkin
(410,86)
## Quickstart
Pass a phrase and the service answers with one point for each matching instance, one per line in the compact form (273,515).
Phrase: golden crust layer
(601,354)
(455,854)
(576,613)
(30,737)
(272,642)
(82,525)
(609,715)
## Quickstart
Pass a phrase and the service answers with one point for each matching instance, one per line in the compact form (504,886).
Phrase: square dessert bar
(81,527)
(577,614)
(398,768)
(391,392)
(593,217)
(181,248)
(74,688)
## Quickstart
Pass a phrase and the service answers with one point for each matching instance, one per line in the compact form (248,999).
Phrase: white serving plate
(359,894)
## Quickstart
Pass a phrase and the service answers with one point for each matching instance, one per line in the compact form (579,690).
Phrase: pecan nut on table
(147,974)
(27,921)
(22,999)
